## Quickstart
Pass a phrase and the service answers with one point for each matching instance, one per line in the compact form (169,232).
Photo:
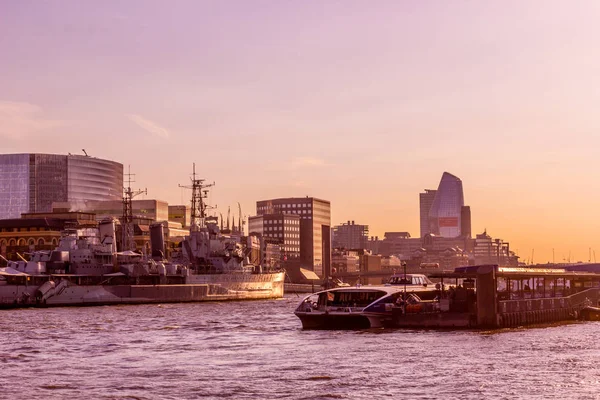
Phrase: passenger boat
(361,307)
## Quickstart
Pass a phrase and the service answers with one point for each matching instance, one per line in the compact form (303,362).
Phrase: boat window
(354,298)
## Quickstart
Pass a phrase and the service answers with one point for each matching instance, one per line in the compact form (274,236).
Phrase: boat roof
(512,272)
(388,289)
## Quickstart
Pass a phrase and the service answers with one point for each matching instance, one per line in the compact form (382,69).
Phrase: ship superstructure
(89,270)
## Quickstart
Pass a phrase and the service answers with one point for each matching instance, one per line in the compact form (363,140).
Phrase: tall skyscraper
(465,222)
(446,212)
(32,182)
(315,228)
(425,202)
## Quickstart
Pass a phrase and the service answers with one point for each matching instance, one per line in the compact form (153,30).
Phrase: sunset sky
(363,103)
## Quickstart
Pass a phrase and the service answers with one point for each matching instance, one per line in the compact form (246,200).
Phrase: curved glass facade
(445,213)
(32,182)
(94,179)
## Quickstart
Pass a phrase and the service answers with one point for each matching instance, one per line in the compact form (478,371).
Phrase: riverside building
(281,229)
(30,183)
(425,202)
(350,236)
(315,227)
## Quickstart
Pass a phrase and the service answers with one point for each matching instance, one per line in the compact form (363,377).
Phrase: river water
(257,350)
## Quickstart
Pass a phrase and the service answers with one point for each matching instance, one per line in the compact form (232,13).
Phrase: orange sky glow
(358,103)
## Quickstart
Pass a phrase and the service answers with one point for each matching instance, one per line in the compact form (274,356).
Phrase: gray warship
(86,269)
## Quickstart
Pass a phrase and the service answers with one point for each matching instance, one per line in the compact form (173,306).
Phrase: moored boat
(362,307)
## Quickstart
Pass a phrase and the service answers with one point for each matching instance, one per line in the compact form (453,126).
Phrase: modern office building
(281,229)
(445,215)
(30,183)
(350,236)
(425,202)
(493,251)
(465,222)
(315,228)
(181,214)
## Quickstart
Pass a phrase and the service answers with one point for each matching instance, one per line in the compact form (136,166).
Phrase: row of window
(23,242)
(293,205)
(297,211)
(275,221)
(25,229)
(279,228)
(301,205)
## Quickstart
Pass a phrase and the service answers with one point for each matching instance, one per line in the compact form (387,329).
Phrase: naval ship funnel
(157,240)
(107,232)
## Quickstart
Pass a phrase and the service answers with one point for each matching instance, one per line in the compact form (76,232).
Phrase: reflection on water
(256,350)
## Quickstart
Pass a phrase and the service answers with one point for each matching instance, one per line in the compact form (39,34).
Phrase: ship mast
(127,218)
(199,207)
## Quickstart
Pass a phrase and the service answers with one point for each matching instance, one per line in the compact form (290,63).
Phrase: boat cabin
(409,279)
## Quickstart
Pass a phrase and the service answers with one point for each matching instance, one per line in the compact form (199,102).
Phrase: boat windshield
(353,298)
(409,280)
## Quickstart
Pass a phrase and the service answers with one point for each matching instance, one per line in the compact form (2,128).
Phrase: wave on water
(257,350)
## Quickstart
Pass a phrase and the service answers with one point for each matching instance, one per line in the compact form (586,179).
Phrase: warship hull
(198,288)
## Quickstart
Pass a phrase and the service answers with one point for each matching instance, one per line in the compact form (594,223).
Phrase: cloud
(19,120)
(149,126)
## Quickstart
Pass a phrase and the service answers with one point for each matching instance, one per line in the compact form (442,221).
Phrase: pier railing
(574,301)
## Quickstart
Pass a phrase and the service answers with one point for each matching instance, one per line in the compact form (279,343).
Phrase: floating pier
(491,297)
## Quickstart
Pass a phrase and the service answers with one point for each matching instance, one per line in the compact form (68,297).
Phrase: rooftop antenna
(199,193)
(127,218)
(84,152)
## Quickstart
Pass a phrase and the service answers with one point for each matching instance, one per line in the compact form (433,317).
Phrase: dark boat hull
(333,321)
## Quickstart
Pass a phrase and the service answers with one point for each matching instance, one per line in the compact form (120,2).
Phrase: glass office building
(94,179)
(32,182)
(445,215)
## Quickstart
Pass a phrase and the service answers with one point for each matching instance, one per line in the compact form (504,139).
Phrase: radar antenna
(199,207)
(127,218)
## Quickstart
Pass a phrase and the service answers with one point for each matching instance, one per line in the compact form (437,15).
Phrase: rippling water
(257,350)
